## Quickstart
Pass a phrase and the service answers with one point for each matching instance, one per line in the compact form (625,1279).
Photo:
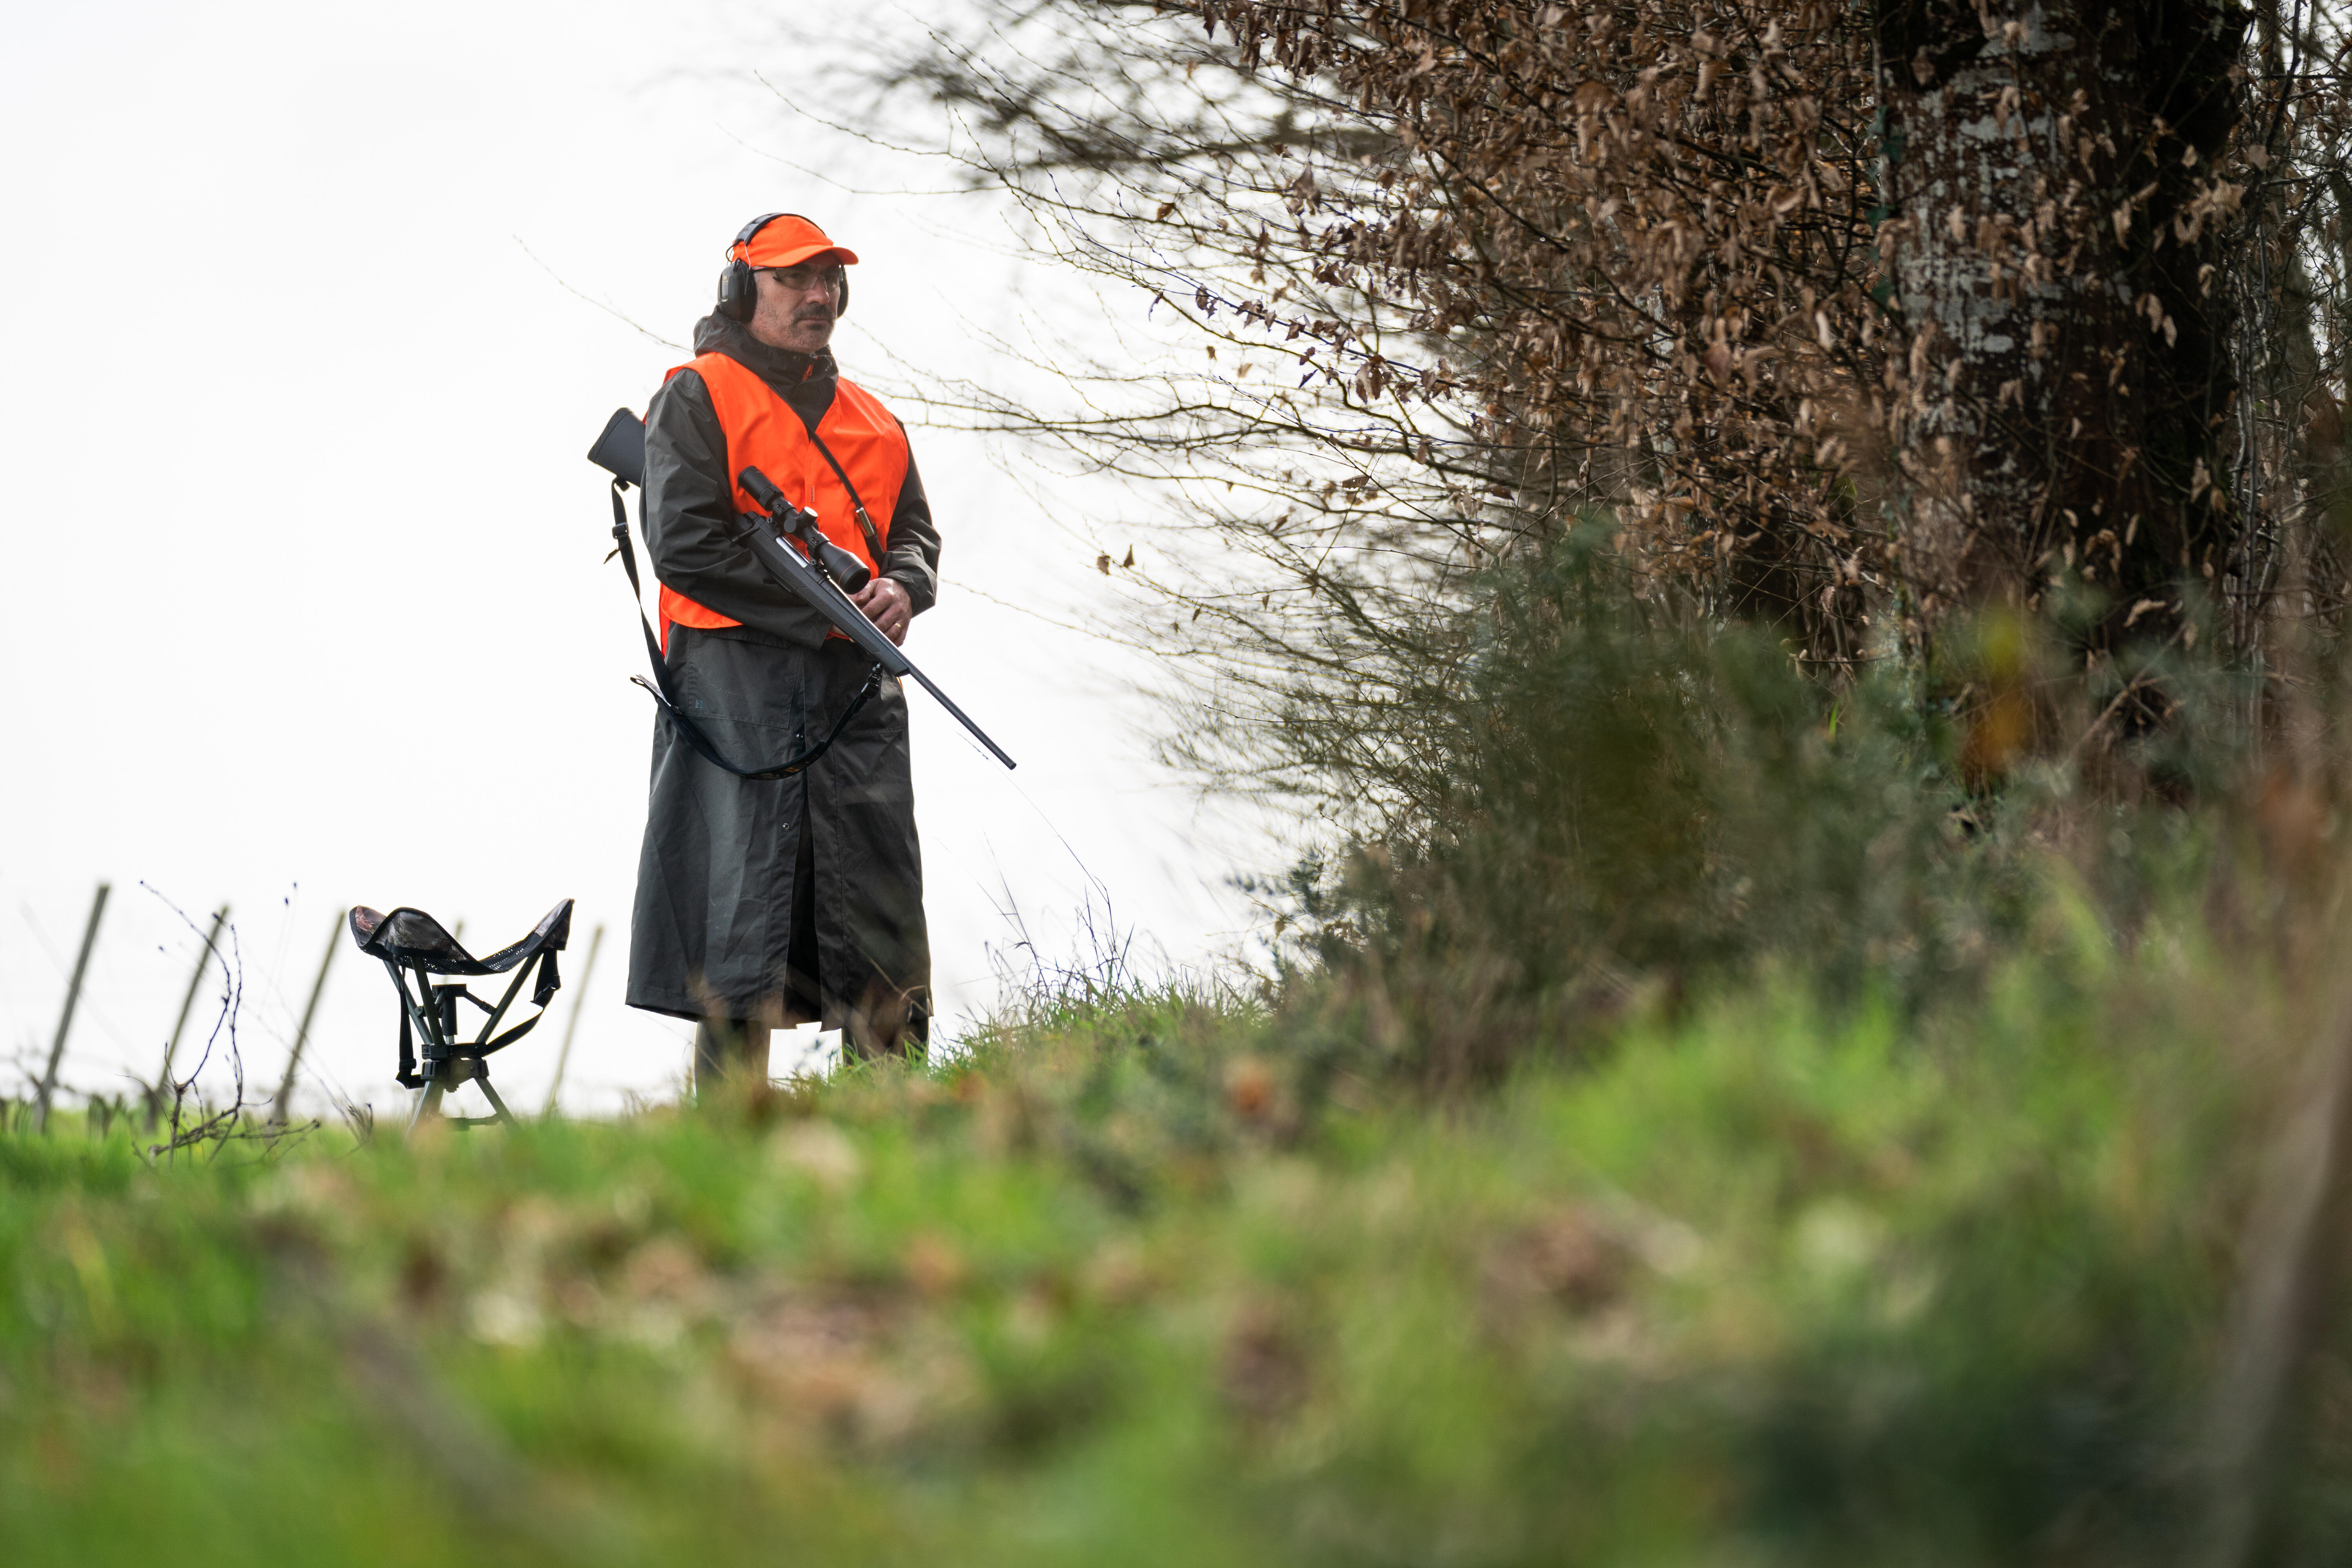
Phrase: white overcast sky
(309,607)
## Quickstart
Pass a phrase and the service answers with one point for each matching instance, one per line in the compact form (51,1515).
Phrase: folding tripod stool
(410,941)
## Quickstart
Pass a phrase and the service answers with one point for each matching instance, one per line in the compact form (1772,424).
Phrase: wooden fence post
(187,1003)
(302,1035)
(579,1005)
(65,1019)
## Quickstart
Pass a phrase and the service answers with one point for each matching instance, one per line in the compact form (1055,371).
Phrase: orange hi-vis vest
(764,433)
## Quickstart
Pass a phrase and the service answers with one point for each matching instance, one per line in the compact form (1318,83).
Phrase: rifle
(822,578)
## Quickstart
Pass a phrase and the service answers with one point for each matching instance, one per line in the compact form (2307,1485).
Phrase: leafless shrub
(195,1125)
(1458,270)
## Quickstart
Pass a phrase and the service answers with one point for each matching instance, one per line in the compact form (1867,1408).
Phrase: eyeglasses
(801,278)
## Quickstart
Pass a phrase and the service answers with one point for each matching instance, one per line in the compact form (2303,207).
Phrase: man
(786,900)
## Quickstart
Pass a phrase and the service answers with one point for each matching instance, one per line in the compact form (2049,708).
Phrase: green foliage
(1632,806)
(1150,1279)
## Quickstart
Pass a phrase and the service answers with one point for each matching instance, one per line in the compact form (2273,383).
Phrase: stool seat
(412,937)
(408,941)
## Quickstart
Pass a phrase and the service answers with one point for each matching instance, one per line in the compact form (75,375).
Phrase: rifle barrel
(961,716)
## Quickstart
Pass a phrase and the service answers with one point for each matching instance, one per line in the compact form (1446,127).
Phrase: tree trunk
(2053,212)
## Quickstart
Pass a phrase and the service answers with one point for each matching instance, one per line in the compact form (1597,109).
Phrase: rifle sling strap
(857,507)
(667,697)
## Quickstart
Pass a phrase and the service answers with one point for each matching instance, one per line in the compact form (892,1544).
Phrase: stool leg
(428,1102)
(496,1103)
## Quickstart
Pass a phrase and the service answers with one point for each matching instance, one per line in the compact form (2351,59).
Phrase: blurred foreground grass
(1141,1283)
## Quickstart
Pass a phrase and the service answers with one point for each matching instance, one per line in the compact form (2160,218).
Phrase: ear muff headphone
(739,294)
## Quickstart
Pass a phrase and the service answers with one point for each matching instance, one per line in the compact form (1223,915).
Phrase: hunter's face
(798,305)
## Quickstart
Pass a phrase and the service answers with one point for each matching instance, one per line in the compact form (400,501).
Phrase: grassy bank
(1764,1284)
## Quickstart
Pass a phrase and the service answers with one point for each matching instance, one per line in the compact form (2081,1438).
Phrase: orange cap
(787,241)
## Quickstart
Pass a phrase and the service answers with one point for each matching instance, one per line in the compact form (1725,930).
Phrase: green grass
(1139,1284)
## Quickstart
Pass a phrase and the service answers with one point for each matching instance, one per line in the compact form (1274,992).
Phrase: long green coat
(734,869)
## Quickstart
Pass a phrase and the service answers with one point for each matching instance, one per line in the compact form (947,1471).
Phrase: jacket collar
(781,369)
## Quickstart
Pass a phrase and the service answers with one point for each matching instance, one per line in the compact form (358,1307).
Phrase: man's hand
(886,603)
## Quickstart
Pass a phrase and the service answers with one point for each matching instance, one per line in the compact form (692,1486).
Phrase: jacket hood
(779,368)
